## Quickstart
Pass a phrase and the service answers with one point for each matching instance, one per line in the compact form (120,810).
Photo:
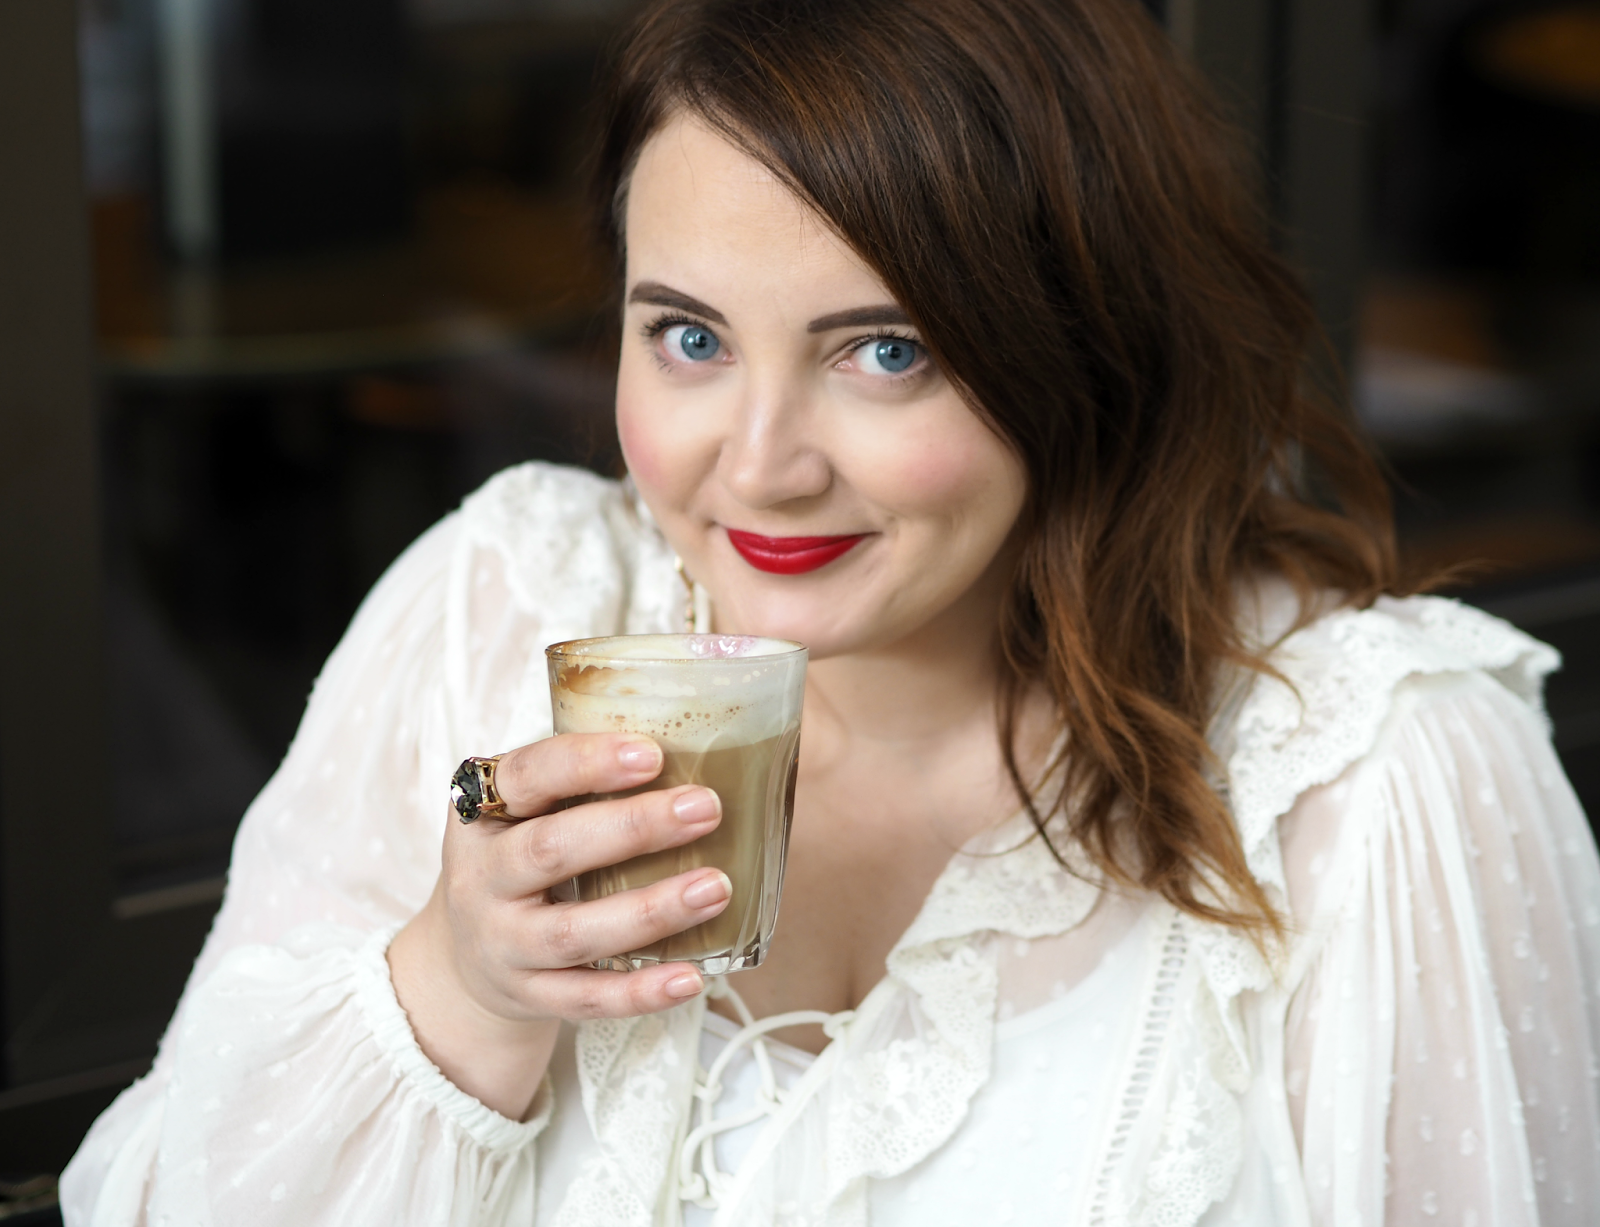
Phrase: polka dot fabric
(1441,1055)
(1424,1049)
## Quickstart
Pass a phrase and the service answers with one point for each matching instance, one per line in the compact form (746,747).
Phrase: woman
(1150,863)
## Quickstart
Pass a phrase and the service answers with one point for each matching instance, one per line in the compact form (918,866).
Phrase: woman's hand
(490,966)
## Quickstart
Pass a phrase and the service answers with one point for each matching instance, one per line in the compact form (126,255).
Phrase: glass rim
(566,650)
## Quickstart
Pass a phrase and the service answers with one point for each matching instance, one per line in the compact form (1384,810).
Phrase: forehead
(701,209)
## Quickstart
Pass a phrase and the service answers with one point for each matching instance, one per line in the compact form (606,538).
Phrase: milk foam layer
(689,692)
(674,647)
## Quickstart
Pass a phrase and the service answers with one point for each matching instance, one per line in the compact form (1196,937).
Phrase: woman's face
(772,393)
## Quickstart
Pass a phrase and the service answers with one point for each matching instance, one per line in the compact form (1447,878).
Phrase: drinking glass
(725,710)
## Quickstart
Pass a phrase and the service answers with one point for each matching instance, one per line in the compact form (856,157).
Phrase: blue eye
(887,356)
(695,343)
(895,355)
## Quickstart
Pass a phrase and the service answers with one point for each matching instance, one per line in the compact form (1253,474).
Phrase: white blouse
(1424,1049)
(1022,1149)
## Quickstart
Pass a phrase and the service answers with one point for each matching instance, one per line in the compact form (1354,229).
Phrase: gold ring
(472,791)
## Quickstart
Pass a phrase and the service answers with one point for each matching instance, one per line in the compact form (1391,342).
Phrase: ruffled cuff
(391,1030)
(299,1095)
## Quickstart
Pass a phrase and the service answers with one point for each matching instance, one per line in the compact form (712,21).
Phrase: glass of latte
(725,710)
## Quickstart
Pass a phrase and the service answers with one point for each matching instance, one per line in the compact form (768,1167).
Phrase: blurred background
(282,280)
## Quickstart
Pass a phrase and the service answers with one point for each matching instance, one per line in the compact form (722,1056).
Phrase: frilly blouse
(1422,1049)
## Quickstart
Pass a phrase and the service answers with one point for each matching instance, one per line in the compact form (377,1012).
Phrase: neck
(920,690)
(917,719)
(923,698)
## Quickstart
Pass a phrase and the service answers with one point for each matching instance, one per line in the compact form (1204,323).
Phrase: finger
(559,935)
(533,856)
(582,993)
(534,779)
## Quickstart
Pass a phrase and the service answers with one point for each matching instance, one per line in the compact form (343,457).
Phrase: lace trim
(1161,1003)
(581,553)
(1342,672)
(637,1077)
(586,558)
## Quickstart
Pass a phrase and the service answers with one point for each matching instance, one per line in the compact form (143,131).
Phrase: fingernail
(639,755)
(686,985)
(698,805)
(708,891)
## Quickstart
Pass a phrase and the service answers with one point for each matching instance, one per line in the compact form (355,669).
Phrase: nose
(771,455)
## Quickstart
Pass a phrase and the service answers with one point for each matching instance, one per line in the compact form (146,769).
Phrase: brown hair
(1046,190)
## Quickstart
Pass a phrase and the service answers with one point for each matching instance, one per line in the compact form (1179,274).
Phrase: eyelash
(889,334)
(885,334)
(661,323)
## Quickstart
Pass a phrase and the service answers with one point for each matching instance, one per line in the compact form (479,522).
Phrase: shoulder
(547,528)
(547,507)
(1341,676)
(529,510)
(1341,681)
(559,531)
(538,488)
(1397,638)
(1342,685)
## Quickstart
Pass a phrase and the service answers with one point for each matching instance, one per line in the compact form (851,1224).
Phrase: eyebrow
(860,317)
(655,294)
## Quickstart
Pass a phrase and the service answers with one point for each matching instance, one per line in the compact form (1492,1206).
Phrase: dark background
(282,280)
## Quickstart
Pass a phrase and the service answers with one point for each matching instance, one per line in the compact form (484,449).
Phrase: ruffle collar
(1326,710)
(902,1100)
(1339,676)
(887,1105)
(891,1102)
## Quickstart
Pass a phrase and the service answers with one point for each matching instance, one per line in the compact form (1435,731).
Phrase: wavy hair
(1048,176)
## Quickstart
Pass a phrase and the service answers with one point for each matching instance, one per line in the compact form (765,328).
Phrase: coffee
(754,782)
(725,711)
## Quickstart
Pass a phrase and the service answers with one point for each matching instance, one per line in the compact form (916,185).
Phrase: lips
(790,555)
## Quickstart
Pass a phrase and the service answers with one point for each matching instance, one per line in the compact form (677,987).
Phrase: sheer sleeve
(1441,1054)
(289,1087)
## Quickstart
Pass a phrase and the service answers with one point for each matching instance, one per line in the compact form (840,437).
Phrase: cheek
(670,436)
(932,477)
(641,450)
(646,440)
(952,473)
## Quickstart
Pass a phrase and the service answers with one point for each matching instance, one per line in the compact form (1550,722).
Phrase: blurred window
(1478,367)
(341,276)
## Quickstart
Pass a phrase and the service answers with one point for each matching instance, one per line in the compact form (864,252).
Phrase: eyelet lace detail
(1141,1076)
(896,1081)
(1341,674)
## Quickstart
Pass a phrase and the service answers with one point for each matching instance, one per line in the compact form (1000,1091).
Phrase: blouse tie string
(700,1180)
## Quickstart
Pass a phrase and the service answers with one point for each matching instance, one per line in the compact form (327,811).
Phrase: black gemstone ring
(472,791)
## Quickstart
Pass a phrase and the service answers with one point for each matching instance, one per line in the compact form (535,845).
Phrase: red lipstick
(790,555)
